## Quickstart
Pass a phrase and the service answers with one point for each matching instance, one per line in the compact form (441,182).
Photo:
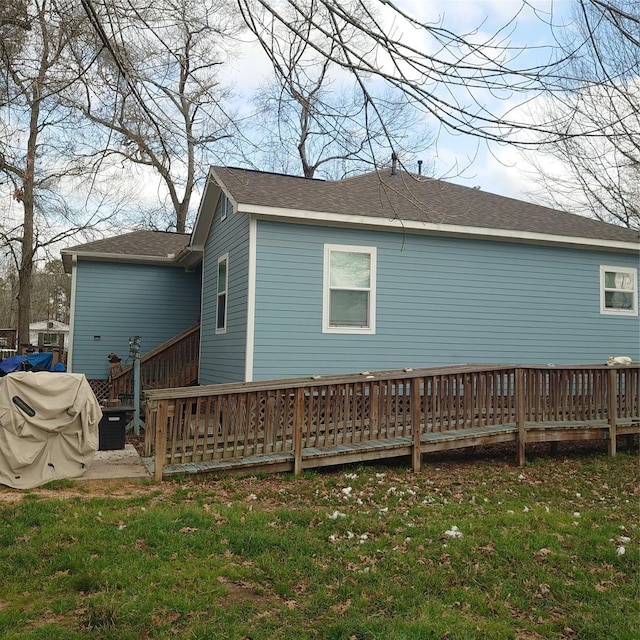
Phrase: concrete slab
(117,464)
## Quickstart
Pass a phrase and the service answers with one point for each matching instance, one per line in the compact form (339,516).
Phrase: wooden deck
(291,425)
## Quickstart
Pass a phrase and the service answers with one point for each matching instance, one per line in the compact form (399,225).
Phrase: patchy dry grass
(472,547)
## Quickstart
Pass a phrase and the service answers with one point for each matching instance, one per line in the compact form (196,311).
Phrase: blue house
(296,277)
(126,286)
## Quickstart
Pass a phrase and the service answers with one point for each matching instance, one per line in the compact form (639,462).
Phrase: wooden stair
(173,363)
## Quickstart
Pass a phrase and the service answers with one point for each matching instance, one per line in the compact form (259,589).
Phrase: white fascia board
(190,257)
(223,187)
(204,217)
(396,224)
(119,257)
(206,211)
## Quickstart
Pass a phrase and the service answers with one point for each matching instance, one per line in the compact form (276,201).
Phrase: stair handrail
(119,380)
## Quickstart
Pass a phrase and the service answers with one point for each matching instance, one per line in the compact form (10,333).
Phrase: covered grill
(48,427)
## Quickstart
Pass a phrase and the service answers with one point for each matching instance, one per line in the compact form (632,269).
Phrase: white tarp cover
(48,427)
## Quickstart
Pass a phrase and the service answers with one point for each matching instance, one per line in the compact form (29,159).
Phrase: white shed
(49,333)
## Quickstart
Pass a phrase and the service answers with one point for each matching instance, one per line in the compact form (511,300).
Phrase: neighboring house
(49,334)
(384,270)
(8,343)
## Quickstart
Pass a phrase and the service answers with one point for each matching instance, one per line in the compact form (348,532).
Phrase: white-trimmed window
(221,299)
(226,208)
(618,290)
(349,292)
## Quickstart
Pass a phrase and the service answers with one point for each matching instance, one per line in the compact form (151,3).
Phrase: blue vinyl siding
(117,301)
(439,301)
(222,355)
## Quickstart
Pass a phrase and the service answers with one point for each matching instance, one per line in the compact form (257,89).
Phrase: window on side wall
(349,300)
(618,291)
(221,301)
(226,208)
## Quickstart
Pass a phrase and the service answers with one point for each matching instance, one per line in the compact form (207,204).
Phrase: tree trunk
(27,245)
(25,275)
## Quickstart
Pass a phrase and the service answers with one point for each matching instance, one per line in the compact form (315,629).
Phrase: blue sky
(499,168)
(463,158)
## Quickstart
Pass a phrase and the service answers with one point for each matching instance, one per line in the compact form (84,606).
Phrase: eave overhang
(429,228)
(69,256)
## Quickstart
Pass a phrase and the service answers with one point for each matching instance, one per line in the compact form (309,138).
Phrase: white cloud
(494,168)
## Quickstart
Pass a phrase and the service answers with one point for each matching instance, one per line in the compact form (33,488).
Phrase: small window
(619,290)
(221,305)
(50,339)
(349,289)
(226,207)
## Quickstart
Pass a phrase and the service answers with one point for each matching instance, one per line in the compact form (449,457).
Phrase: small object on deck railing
(365,373)
(407,369)
(114,365)
(316,377)
(613,360)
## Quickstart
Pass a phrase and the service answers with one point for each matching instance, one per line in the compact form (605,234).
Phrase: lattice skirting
(100,389)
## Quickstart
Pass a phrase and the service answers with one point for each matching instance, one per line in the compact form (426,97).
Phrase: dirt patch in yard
(446,465)
(95,489)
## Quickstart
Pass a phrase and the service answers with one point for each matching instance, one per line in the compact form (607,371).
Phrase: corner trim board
(251,300)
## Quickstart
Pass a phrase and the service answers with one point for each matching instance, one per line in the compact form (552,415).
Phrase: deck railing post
(150,417)
(162,416)
(298,419)
(416,421)
(612,408)
(520,415)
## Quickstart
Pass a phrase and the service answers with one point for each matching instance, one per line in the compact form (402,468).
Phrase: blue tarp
(37,361)
(14,363)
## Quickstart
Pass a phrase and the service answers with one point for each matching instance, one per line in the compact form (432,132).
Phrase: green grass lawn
(471,547)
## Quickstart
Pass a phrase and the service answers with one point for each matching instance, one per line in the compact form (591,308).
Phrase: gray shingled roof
(411,198)
(153,244)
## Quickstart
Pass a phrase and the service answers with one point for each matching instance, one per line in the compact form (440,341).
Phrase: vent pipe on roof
(394,160)
(419,167)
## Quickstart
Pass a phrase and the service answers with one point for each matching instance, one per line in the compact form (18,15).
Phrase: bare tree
(451,77)
(40,143)
(8,292)
(51,292)
(14,23)
(13,17)
(597,175)
(467,83)
(313,117)
(156,93)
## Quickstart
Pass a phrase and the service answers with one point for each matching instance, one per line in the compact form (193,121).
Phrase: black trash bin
(112,426)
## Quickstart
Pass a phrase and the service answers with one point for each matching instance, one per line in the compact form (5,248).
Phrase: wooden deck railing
(174,363)
(312,422)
